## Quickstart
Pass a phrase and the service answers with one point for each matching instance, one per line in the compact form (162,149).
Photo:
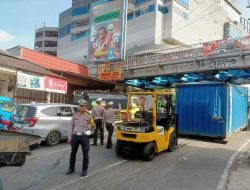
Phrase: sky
(243,4)
(18,19)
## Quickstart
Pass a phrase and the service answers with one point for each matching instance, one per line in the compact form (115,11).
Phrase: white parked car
(50,121)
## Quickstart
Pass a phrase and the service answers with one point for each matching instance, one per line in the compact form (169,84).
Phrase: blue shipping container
(211,109)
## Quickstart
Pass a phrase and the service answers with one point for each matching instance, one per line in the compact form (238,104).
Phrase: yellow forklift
(150,125)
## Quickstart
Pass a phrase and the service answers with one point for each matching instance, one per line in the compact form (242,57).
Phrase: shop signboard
(110,72)
(55,85)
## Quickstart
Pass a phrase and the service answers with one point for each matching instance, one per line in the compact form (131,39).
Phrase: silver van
(50,121)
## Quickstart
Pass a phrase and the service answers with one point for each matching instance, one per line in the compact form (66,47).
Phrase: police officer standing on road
(78,135)
(109,120)
(97,113)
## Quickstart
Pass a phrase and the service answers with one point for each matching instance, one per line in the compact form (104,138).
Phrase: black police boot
(94,144)
(84,172)
(102,143)
(70,171)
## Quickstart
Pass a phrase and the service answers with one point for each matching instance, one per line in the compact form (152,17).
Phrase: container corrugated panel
(206,109)
(238,98)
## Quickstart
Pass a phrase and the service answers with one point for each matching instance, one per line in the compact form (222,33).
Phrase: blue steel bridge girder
(217,61)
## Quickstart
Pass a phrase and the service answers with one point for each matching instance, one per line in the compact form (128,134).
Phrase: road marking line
(225,175)
(90,175)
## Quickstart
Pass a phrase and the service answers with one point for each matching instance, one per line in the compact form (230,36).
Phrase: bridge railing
(200,50)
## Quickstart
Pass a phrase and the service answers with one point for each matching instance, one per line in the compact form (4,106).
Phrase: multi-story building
(157,23)
(245,23)
(46,40)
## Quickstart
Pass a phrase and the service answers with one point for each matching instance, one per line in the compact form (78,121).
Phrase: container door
(238,101)
(201,109)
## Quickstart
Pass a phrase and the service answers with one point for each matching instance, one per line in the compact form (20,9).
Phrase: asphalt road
(196,164)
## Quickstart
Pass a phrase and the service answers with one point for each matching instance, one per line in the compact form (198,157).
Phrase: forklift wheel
(149,152)
(172,142)
(118,148)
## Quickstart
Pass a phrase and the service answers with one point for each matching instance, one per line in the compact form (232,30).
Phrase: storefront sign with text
(55,85)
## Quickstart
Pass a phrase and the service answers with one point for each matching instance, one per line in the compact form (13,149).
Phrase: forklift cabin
(150,126)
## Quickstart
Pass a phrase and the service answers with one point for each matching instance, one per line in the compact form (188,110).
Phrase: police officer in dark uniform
(78,135)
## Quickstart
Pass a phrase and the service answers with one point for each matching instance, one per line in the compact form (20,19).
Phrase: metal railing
(195,51)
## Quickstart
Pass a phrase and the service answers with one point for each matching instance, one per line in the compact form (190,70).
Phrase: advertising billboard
(209,47)
(30,81)
(107,30)
(225,46)
(46,83)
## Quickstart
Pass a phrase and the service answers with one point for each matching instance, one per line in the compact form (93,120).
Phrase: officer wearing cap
(109,120)
(81,123)
(98,112)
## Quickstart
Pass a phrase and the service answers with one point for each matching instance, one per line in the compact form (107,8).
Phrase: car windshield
(140,107)
(25,111)
(7,106)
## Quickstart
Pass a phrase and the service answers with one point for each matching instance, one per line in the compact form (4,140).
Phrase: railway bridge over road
(220,61)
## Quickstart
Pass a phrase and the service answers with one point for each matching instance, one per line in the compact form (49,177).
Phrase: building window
(185,16)
(246,24)
(137,2)
(62,32)
(184,3)
(68,29)
(144,11)
(130,16)
(79,10)
(137,13)
(75,37)
(162,9)
(151,8)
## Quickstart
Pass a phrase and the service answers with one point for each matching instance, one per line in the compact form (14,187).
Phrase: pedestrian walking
(109,120)
(81,123)
(97,113)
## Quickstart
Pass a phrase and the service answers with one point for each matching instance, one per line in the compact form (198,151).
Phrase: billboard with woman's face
(107,30)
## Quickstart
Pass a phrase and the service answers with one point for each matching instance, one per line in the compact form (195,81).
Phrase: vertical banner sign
(107,30)
(110,72)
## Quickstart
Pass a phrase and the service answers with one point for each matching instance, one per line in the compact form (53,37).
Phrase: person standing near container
(78,135)
(97,113)
(109,120)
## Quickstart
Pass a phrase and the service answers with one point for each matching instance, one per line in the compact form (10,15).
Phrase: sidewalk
(240,175)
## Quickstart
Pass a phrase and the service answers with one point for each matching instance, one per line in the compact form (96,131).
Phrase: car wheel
(149,152)
(53,138)
(172,142)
